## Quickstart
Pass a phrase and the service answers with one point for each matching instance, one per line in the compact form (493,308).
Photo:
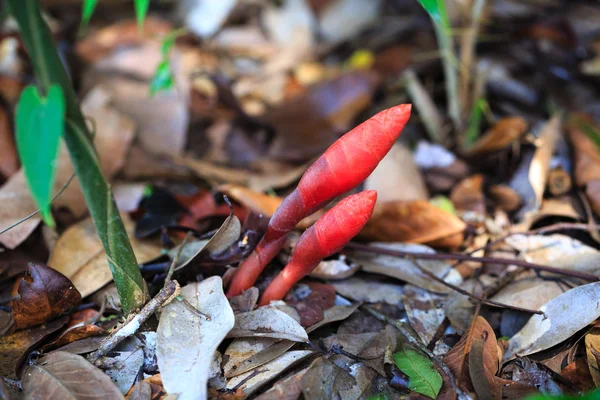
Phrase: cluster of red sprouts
(343,166)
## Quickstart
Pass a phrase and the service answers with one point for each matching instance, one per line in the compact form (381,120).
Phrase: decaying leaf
(78,254)
(268,322)
(245,354)
(289,388)
(540,164)
(9,161)
(187,340)
(415,222)
(14,348)
(325,380)
(334,314)
(62,375)
(253,380)
(500,136)
(563,316)
(369,290)
(457,358)
(467,195)
(404,269)
(44,294)
(424,311)
(592,350)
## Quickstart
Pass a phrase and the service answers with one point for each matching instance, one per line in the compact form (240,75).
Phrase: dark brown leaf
(500,136)
(310,306)
(62,375)
(9,162)
(467,195)
(44,294)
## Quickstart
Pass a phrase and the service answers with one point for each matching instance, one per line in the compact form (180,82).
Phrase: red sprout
(327,236)
(343,166)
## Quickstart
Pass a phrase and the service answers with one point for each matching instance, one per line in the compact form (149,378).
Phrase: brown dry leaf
(424,310)
(578,374)
(592,350)
(500,136)
(414,222)
(44,293)
(246,354)
(458,361)
(79,255)
(397,177)
(311,306)
(9,161)
(59,375)
(113,136)
(268,322)
(15,347)
(326,380)
(289,388)
(255,201)
(540,164)
(467,195)
(310,122)
(587,162)
(369,290)
(505,197)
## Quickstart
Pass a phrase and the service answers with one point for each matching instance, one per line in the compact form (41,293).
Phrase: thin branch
(471,295)
(134,323)
(465,257)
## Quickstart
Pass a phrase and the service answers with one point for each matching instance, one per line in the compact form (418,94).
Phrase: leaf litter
(258,91)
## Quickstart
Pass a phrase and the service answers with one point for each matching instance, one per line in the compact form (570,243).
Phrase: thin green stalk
(49,70)
(446,44)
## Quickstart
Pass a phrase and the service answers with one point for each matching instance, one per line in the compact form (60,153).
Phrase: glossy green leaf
(162,79)
(424,378)
(87,11)
(436,10)
(40,123)
(49,70)
(443,203)
(141,9)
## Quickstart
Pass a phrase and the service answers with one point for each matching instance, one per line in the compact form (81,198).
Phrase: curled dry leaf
(251,381)
(268,322)
(79,255)
(44,293)
(187,340)
(415,222)
(587,158)
(15,348)
(540,164)
(563,316)
(501,135)
(59,375)
(405,269)
(467,195)
(457,358)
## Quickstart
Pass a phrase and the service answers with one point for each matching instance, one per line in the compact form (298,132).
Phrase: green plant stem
(49,70)
(446,44)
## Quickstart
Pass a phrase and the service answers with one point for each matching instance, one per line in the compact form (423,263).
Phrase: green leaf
(437,11)
(141,9)
(40,123)
(475,122)
(593,395)
(424,378)
(443,203)
(87,10)
(162,79)
(378,397)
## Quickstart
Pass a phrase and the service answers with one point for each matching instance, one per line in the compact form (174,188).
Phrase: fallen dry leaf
(397,177)
(424,311)
(457,358)
(268,322)
(44,293)
(246,354)
(467,195)
(564,315)
(540,164)
(404,269)
(369,290)
(59,375)
(15,348)
(592,351)
(79,255)
(501,135)
(587,159)
(258,202)
(325,380)
(311,303)
(187,341)
(414,222)
(289,388)
(9,161)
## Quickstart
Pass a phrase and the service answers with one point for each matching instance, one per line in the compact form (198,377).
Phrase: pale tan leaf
(268,322)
